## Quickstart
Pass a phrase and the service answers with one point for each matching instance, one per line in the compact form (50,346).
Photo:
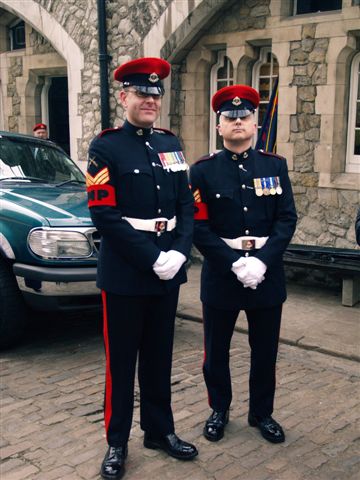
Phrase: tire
(13,315)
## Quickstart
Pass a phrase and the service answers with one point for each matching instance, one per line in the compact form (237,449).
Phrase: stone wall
(245,15)
(326,216)
(38,43)
(128,21)
(15,70)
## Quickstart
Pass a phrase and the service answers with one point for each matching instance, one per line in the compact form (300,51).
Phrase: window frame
(295,6)
(264,51)
(213,88)
(352,160)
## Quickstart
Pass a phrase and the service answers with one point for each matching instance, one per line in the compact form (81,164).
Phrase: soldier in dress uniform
(40,131)
(141,203)
(245,217)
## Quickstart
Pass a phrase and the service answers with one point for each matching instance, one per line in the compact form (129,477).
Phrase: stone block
(287,101)
(351,291)
(325,99)
(320,75)
(308,30)
(298,57)
(307,94)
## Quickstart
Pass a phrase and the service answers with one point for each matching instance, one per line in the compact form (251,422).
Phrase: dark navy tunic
(227,206)
(126,178)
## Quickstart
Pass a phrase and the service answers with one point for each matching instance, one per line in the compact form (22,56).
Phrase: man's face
(41,133)
(237,129)
(141,110)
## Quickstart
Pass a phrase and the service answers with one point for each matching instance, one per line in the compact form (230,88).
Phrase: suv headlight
(59,244)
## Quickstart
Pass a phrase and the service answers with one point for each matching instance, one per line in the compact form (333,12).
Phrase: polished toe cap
(113,466)
(270,429)
(172,445)
(215,425)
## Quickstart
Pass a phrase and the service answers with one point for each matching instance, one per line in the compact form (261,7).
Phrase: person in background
(40,131)
(357,227)
(245,217)
(141,204)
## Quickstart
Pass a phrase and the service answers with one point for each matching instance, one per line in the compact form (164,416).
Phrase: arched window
(265,71)
(222,75)
(353,140)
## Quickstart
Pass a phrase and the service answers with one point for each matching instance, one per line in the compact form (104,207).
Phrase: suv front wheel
(13,315)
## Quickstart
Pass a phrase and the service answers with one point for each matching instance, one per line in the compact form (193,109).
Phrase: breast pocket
(135,187)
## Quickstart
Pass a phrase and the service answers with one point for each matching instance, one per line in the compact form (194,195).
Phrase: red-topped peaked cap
(235,101)
(39,126)
(144,74)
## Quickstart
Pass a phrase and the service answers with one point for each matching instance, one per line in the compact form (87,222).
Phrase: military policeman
(245,217)
(140,202)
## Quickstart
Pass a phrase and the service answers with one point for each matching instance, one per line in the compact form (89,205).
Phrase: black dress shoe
(215,425)
(268,427)
(113,466)
(172,445)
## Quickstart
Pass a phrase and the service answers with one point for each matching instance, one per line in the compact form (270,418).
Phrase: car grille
(96,240)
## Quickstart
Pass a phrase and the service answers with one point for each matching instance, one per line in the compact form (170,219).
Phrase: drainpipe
(103,64)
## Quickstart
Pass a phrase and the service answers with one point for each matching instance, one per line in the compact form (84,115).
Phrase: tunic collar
(237,156)
(138,131)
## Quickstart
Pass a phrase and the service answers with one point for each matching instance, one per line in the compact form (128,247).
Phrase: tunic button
(246,254)
(243,187)
(158,234)
(158,187)
(136,170)
(241,166)
(247,232)
(159,211)
(245,209)
(217,195)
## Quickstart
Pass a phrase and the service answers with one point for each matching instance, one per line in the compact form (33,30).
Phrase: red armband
(201,211)
(101,195)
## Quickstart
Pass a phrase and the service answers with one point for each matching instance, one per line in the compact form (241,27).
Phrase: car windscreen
(27,160)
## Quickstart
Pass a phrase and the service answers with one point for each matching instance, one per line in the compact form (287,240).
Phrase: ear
(218,128)
(123,98)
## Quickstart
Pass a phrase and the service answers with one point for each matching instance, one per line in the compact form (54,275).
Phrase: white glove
(171,266)
(161,259)
(238,265)
(252,273)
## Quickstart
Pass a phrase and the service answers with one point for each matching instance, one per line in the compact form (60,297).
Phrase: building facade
(49,71)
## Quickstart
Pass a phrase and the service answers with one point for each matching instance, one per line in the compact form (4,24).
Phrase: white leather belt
(160,224)
(245,243)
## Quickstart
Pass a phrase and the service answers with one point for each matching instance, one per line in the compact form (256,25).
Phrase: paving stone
(53,428)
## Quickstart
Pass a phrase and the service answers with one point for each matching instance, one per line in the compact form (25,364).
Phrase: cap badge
(236,101)
(154,77)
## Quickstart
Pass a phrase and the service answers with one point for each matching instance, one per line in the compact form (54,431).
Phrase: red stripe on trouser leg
(204,358)
(108,379)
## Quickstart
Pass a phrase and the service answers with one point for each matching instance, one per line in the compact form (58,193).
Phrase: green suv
(48,245)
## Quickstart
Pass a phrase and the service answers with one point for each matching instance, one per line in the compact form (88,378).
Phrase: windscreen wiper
(69,181)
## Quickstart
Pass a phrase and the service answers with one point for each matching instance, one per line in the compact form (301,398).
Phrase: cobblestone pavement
(52,425)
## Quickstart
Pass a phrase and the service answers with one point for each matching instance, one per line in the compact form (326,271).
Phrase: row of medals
(267,186)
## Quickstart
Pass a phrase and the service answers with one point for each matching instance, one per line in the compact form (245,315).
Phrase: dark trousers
(264,330)
(143,326)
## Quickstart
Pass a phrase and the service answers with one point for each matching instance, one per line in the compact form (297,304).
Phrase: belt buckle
(247,244)
(161,226)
